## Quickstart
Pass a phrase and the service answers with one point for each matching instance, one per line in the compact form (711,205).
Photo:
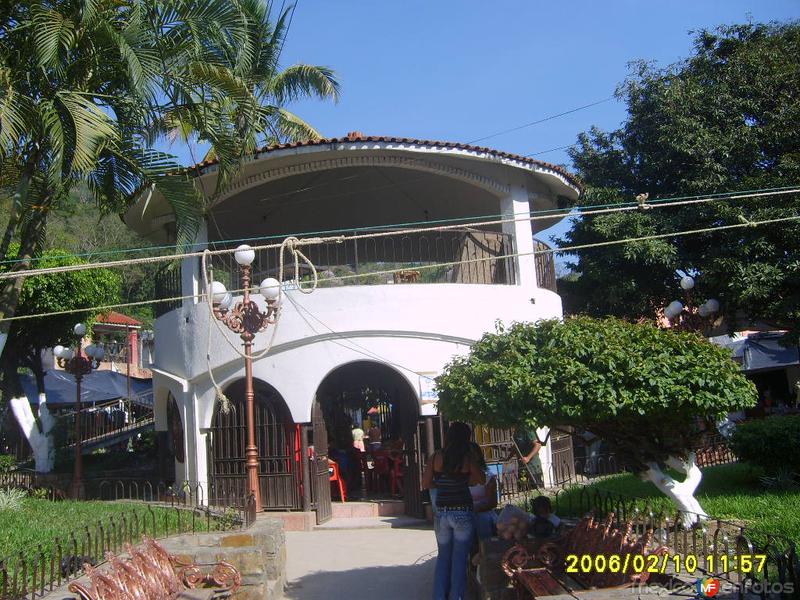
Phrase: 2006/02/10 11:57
(664,563)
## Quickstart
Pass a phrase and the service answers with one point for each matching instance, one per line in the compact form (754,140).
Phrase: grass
(41,521)
(728,492)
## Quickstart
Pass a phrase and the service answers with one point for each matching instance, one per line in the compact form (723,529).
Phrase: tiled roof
(356,136)
(115,318)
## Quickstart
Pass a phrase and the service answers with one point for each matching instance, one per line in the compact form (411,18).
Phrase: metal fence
(165,511)
(715,546)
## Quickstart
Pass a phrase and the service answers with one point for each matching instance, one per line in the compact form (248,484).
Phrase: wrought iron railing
(427,257)
(165,511)
(168,286)
(545,265)
(107,420)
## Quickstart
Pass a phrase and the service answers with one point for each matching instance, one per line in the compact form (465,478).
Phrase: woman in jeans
(451,471)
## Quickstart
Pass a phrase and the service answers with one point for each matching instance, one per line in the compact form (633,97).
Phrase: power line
(565,249)
(626,207)
(542,120)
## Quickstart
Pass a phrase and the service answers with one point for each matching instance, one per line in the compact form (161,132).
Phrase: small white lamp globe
(687,283)
(99,353)
(270,289)
(217,292)
(79,329)
(244,255)
(226,302)
(703,310)
(67,354)
(713,306)
(58,351)
(673,309)
(90,350)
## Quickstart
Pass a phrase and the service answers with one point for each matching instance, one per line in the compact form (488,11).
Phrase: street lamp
(686,315)
(247,319)
(76,364)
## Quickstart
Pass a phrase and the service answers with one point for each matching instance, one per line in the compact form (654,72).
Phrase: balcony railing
(422,257)
(454,256)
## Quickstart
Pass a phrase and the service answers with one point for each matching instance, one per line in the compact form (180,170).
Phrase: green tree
(724,119)
(645,391)
(68,291)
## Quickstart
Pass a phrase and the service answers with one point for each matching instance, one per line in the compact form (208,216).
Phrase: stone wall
(258,552)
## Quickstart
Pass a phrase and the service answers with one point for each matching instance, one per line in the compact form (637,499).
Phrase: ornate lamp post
(77,364)
(247,319)
(687,316)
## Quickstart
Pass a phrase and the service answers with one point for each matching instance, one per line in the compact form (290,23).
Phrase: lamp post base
(77,491)
(252,476)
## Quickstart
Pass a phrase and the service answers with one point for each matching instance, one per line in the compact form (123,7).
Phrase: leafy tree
(73,290)
(644,390)
(724,119)
(67,291)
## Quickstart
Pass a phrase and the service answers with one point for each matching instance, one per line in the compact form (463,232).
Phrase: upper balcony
(463,255)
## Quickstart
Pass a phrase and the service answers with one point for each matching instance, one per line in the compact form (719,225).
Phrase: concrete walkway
(387,563)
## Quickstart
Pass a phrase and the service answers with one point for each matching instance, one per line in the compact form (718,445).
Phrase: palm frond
(303,81)
(294,128)
(92,129)
(53,32)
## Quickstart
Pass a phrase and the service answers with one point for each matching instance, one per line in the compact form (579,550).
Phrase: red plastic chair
(396,475)
(336,478)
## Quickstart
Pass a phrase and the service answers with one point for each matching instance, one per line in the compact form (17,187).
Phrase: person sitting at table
(358,439)
(375,437)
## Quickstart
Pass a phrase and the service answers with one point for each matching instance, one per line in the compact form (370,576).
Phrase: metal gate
(562,468)
(318,473)
(278,463)
(427,437)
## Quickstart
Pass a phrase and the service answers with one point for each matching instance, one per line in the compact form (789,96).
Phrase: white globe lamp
(687,283)
(713,306)
(217,291)
(244,255)
(58,351)
(270,288)
(79,329)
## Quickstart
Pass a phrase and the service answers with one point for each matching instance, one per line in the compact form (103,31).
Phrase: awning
(761,351)
(98,386)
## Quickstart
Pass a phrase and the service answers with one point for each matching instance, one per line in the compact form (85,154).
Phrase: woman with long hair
(450,471)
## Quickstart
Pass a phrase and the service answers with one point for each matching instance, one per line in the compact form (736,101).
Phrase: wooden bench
(406,277)
(151,573)
(543,570)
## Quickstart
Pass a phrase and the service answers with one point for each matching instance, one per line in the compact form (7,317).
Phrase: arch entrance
(374,398)
(277,438)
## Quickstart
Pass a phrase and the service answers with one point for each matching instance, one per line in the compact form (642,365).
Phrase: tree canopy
(642,389)
(724,119)
(68,291)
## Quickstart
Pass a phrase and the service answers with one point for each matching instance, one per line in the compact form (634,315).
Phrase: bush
(7,462)
(11,498)
(771,443)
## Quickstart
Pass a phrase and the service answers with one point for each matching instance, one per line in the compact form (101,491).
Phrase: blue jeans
(454,534)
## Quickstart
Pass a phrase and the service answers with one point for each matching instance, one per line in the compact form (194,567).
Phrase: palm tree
(246,106)
(77,83)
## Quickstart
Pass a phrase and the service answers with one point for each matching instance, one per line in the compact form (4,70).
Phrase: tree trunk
(37,433)
(681,492)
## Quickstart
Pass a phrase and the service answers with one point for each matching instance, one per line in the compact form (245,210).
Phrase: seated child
(544,522)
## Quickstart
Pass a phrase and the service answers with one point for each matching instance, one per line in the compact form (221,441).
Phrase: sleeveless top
(452,490)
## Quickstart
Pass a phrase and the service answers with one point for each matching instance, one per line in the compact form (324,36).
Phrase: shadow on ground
(400,582)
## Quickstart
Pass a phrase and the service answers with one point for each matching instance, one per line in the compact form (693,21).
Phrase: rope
(341,238)
(290,245)
(562,250)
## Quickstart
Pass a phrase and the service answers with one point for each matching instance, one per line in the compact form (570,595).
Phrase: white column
(191,276)
(516,206)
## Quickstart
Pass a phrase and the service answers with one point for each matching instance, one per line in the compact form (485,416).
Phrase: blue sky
(462,69)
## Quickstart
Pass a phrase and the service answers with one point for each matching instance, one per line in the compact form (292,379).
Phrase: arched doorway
(365,394)
(278,442)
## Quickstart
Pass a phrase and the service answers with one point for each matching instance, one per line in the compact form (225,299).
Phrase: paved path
(385,564)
